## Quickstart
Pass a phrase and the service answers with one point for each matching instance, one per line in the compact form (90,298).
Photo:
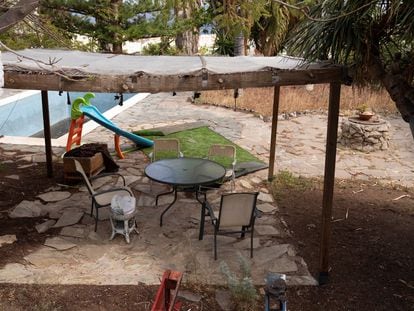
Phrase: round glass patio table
(184,172)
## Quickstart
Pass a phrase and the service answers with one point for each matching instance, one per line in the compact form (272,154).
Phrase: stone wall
(364,136)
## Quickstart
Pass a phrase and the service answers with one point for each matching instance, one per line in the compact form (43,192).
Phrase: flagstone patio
(92,258)
(79,255)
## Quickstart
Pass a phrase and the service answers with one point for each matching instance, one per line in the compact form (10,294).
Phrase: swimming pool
(21,113)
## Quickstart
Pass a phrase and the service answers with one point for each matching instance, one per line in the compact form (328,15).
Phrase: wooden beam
(46,132)
(329,180)
(272,156)
(141,82)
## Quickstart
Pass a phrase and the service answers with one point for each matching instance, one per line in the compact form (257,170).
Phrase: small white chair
(122,216)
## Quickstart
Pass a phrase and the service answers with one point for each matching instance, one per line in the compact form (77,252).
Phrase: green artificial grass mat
(170,129)
(195,143)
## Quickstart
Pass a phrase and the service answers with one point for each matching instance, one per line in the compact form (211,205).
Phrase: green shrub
(243,293)
(160,48)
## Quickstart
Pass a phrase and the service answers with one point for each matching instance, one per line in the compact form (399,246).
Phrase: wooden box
(91,165)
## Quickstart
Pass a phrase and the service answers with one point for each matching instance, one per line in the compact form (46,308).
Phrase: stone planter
(366,136)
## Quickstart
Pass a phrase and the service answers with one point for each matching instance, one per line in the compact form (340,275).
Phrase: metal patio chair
(165,148)
(101,198)
(237,210)
(226,154)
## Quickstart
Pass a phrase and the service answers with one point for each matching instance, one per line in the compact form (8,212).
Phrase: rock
(7,239)
(27,209)
(75,232)
(245,243)
(44,226)
(145,200)
(134,171)
(69,218)
(267,208)
(54,196)
(55,214)
(255,180)
(20,167)
(266,230)
(270,253)
(283,265)
(59,244)
(223,299)
(265,197)
(130,179)
(47,257)
(94,236)
(246,184)
(306,280)
(189,296)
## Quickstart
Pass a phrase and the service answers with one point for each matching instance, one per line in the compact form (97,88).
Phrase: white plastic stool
(122,216)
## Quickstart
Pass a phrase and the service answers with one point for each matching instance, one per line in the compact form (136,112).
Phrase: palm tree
(374,38)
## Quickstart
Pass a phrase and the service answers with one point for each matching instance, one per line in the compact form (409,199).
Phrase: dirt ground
(371,253)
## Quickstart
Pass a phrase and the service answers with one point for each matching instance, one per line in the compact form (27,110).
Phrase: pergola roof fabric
(113,64)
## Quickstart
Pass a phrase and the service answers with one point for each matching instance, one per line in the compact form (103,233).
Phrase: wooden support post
(275,113)
(329,180)
(46,133)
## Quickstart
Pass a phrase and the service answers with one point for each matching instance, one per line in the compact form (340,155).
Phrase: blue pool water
(21,114)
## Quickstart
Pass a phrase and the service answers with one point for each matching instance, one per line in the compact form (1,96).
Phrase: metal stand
(275,289)
(123,224)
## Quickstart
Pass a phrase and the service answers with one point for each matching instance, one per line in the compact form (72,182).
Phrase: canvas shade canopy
(94,72)
(45,70)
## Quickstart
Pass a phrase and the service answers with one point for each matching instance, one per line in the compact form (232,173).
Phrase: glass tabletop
(185,171)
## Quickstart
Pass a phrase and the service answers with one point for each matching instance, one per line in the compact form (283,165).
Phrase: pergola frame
(63,80)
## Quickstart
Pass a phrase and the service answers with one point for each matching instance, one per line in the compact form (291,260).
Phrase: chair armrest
(114,190)
(108,174)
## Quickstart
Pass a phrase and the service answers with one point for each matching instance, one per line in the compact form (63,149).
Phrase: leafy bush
(159,49)
(243,293)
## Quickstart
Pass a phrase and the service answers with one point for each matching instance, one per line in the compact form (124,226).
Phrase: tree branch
(16,13)
(47,66)
(303,11)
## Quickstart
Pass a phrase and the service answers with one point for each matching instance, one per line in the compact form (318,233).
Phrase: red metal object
(75,132)
(165,299)
(118,147)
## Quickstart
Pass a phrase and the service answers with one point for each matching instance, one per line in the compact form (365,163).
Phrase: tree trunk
(239,46)
(116,36)
(187,41)
(399,88)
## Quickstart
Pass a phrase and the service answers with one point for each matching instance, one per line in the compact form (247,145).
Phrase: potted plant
(364,112)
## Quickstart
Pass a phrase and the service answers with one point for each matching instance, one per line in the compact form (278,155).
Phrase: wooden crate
(91,165)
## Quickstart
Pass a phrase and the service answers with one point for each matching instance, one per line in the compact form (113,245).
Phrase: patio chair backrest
(80,170)
(165,148)
(222,151)
(237,209)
